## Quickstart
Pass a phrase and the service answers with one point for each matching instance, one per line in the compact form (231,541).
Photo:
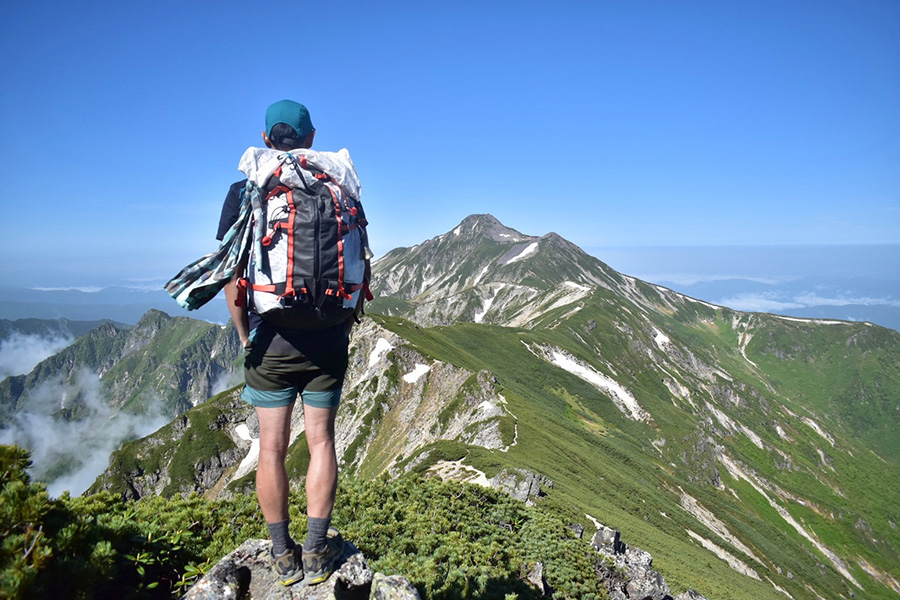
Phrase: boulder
(245,573)
(521,484)
(607,540)
(627,573)
(690,595)
(537,580)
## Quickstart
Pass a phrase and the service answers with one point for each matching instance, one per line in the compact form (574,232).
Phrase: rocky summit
(246,573)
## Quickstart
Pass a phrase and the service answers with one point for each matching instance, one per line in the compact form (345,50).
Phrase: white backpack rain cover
(307,260)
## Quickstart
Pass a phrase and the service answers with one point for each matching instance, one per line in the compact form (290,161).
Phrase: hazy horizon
(848,282)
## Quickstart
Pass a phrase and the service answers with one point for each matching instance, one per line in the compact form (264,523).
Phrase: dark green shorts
(282,363)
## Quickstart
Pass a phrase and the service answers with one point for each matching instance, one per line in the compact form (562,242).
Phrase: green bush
(450,540)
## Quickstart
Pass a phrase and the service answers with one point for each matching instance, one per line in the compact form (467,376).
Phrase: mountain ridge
(750,454)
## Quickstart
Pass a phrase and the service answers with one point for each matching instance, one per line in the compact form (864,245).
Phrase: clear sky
(613,123)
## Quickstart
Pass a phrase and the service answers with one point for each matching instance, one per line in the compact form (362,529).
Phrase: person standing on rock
(284,358)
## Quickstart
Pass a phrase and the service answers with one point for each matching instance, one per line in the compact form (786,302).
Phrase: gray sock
(281,537)
(317,529)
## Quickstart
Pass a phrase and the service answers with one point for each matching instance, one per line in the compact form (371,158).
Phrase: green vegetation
(607,465)
(450,540)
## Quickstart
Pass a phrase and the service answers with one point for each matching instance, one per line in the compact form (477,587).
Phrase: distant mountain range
(754,456)
(854,283)
(116,303)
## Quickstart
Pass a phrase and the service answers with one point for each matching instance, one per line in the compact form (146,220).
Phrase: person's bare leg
(321,477)
(271,476)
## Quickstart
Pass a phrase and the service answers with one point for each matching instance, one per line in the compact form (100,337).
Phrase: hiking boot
(319,565)
(288,566)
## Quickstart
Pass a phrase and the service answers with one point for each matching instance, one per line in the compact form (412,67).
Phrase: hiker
(282,360)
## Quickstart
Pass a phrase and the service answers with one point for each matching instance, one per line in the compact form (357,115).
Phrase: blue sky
(613,123)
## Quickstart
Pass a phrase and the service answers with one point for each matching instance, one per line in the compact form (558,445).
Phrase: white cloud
(69,455)
(20,353)
(225,381)
(779,301)
(759,302)
(811,299)
(687,279)
(88,289)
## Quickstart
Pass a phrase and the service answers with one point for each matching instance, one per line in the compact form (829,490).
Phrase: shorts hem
(323,399)
(269,399)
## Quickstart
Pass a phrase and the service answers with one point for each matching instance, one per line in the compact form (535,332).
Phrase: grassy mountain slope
(752,455)
(170,362)
(608,466)
(661,412)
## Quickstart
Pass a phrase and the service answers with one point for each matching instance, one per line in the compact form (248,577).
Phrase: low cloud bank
(225,381)
(780,301)
(69,455)
(20,353)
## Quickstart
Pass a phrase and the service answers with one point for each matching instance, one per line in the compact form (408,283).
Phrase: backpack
(307,257)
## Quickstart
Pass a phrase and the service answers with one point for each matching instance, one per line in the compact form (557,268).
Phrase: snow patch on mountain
(479,317)
(728,423)
(780,589)
(743,340)
(781,433)
(818,321)
(738,473)
(527,251)
(815,427)
(382,347)
(481,274)
(733,561)
(661,339)
(418,371)
(427,282)
(577,286)
(705,516)
(252,459)
(569,293)
(621,397)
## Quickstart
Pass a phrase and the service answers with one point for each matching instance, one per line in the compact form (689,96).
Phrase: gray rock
(627,573)
(577,530)
(521,484)
(690,595)
(536,578)
(647,585)
(245,573)
(392,587)
(638,559)
(607,540)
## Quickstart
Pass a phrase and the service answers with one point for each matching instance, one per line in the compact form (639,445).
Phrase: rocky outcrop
(536,579)
(200,451)
(689,595)
(628,573)
(245,573)
(521,484)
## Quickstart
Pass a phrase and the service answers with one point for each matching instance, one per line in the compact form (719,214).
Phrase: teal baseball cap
(292,113)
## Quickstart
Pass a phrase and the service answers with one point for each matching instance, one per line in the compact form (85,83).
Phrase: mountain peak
(487,226)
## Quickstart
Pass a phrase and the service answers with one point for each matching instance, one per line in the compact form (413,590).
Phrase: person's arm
(236,297)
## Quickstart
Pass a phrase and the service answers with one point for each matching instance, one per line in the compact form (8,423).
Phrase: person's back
(282,362)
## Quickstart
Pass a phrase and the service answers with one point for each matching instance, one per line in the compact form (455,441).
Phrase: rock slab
(628,573)
(245,573)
